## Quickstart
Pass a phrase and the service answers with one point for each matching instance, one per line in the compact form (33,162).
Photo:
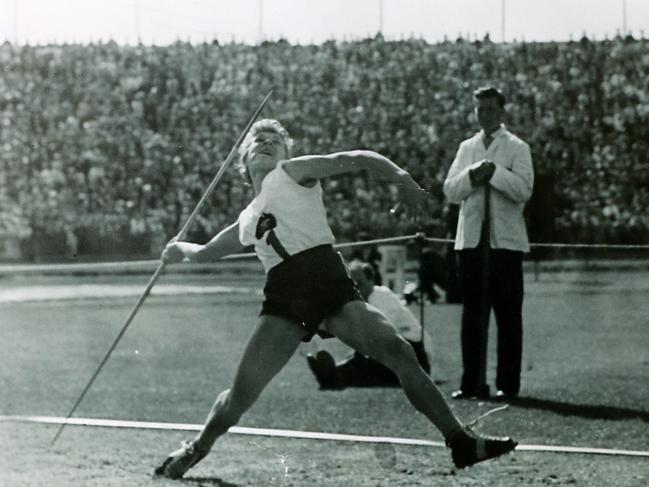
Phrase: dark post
(485,308)
(421,241)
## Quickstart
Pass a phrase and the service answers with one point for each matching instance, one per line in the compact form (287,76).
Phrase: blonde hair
(264,125)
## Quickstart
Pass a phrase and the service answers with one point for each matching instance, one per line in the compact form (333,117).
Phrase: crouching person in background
(359,370)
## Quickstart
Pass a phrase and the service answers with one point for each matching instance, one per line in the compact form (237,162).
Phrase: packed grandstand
(105,149)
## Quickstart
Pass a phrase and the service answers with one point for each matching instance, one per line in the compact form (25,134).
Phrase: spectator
(114,144)
(359,370)
(369,254)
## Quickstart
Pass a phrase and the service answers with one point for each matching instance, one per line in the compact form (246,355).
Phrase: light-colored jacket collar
(496,134)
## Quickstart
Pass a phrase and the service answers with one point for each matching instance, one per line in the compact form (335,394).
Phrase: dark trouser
(362,371)
(505,295)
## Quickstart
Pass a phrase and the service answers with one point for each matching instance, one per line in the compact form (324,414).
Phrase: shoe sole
(161,470)
(507,448)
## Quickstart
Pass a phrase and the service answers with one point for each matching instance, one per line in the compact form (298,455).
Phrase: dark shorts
(308,287)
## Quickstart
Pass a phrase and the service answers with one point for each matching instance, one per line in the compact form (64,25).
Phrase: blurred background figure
(358,370)
(369,254)
(453,288)
(438,269)
(433,278)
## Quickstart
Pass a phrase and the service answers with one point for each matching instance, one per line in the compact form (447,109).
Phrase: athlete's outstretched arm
(307,169)
(226,242)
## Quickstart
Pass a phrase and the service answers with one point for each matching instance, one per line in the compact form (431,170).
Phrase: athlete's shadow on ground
(208,481)
(589,411)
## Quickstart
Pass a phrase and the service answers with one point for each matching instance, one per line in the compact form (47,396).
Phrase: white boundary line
(113,423)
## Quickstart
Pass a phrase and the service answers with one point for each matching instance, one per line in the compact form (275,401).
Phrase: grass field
(586,365)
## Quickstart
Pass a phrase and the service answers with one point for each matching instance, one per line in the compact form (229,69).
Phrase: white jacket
(511,187)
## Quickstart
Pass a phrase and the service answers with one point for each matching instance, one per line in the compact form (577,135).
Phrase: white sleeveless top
(298,211)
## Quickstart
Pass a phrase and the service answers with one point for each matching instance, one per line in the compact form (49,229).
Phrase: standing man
(491,178)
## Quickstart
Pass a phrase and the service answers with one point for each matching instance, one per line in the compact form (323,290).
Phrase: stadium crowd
(105,149)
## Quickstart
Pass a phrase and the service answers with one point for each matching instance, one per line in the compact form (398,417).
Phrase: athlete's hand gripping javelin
(176,251)
(224,243)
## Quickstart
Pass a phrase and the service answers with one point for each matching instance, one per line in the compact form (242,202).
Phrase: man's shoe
(480,392)
(505,396)
(468,448)
(460,394)
(324,369)
(181,460)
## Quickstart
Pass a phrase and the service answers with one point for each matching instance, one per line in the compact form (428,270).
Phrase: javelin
(161,265)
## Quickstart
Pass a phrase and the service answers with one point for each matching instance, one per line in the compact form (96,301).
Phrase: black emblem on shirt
(266,223)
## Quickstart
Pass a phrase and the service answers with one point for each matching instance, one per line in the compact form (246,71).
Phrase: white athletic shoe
(181,460)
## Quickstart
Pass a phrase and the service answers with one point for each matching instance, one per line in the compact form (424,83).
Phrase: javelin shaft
(134,311)
(161,265)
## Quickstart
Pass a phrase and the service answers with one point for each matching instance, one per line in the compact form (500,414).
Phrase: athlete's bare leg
(367,330)
(271,345)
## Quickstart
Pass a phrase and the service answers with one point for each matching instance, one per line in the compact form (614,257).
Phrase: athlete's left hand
(415,199)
